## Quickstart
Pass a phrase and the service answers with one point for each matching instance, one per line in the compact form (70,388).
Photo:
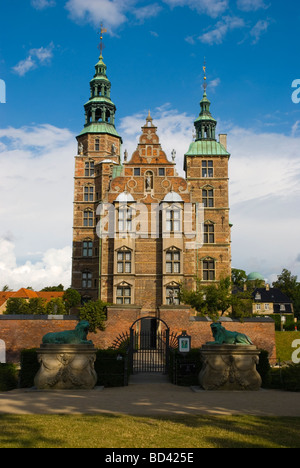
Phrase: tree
(288,284)
(36,306)
(56,307)
(58,288)
(94,312)
(71,298)
(6,288)
(238,277)
(209,299)
(17,306)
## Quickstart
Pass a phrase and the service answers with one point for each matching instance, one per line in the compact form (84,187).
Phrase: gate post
(167,350)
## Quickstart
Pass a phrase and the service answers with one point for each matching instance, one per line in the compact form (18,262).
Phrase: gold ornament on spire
(204,70)
(101,46)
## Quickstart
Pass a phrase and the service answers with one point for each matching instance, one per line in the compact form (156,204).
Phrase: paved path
(148,397)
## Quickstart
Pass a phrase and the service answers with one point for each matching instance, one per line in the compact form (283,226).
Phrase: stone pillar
(229,367)
(66,367)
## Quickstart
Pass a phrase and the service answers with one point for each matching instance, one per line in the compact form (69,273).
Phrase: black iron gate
(149,346)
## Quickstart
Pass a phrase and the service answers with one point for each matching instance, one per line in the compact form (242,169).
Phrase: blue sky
(154,53)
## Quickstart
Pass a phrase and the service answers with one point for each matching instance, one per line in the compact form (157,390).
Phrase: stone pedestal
(66,367)
(229,367)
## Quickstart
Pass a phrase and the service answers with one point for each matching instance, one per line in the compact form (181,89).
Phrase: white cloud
(112,13)
(212,8)
(221,29)
(260,28)
(54,268)
(36,57)
(42,4)
(251,5)
(36,189)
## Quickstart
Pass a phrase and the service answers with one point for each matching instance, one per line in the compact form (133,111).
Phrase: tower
(206,168)
(99,147)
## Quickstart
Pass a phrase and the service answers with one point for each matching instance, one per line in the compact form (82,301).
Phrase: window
(88,193)
(209,270)
(207,169)
(173,220)
(124,261)
(208,198)
(89,169)
(97,144)
(87,249)
(125,219)
(258,307)
(172,295)
(173,261)
(137,171)
(124,295)
(86,280)
(267,306)
(209,233)
(161,171)
(88,218)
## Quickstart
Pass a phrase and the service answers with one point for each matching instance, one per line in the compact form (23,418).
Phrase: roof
(255,276)
(100,127)
(207,148)
(24,293)
(273,295)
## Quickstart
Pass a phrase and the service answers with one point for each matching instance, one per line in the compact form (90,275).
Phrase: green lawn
(284,340)
(113,431)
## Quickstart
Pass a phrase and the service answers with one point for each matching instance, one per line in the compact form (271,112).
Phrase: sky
(154,52)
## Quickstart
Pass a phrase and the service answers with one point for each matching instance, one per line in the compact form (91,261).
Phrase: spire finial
(205,82)
(101,46)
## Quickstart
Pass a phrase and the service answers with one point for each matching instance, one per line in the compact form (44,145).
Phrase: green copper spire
(205,124)
(100,110)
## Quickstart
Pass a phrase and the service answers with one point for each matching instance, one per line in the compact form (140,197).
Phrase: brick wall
(24,332)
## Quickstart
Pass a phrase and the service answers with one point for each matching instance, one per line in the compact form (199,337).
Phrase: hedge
(8,377)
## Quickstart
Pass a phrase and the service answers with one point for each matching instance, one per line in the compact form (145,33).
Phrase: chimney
(267,287)
(223,140)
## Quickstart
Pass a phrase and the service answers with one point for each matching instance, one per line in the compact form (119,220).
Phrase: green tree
(71,298)
(36,306)
(56,307)
(58,288)
(95,313)
(288,284)
(238,277)
(17,306)
(208,299)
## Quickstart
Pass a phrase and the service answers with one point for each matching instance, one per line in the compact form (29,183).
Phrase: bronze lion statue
(223,336)
(77,336)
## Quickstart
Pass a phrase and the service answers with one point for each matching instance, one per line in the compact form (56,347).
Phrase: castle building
(140,230)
